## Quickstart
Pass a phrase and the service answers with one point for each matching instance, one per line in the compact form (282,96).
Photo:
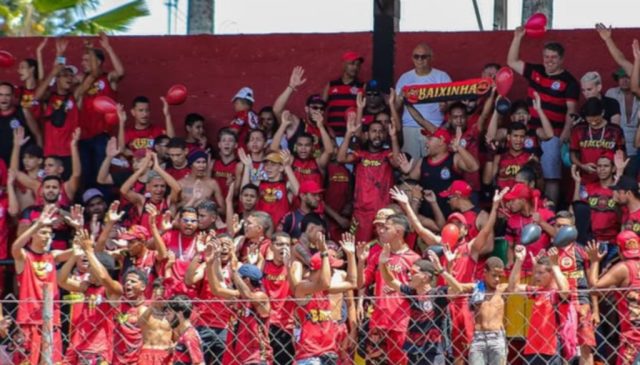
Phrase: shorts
(155,357)
(28,343)
(488,348)
(543,360)
(415,143)
(461,328)
(73,357)
(586,331)
(327,359)
(550,160)
(213,343)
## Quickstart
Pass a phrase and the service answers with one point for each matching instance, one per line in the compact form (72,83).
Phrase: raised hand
(122,114)
(435,260)
(104,41)
(76,217)
(519,32)
(392,98)
(297,77)
(362,250)
(112,148)
(636,49)
(85,241)
(537,103)
(165,106)
(393,131)
(403,163)
(449,255)
(75,137)
(286,118)
(499,195)
(593,250)
(399,196)
(429,196)
(520,253)
(322,242)
(619,161)
(61,46)
(287,158)
(113,215)
(455,144)
(553,255)
(348,243)
(603,31)
(18,137)
(47,216)
(575,174)
(42,44)
(244,158)
(361,101)
(167,221)
(94,225)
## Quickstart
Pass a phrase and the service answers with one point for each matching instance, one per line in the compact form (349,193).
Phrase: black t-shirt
(610,105)
(8,123)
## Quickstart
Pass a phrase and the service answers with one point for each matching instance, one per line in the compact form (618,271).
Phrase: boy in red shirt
(549,289)
(143,132)
(188,348)
(36,267)
(505,166)
(245,118)
(226,167)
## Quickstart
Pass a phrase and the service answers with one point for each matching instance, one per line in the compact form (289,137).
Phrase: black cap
(373,86)
(593,107)
(626,183)
(315,99)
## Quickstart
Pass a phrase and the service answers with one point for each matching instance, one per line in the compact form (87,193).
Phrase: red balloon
(111,118)
(177,94)
(536,25)
(450,234)
(536,33)
(6,59)
(104,104)
(504,80)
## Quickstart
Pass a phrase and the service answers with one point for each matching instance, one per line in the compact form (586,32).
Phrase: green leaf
(50,6)
(116,20)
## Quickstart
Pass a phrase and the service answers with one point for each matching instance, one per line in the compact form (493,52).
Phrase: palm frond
(51,6)
(115,20)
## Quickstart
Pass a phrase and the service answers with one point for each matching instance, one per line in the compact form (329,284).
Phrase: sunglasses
(421,56)
(316,107)
(373,93)
(187,220)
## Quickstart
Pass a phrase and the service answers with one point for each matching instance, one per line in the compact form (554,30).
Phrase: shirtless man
(157,341)
(198,186)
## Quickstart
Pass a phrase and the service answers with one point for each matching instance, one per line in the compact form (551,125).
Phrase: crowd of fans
(368,229)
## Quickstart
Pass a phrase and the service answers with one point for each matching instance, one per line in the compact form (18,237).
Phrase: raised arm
(176,188)
(558,276)
(127,188)
(113,287)
(462,159)
(287,161)
(61,46)
(348,244)
(520,253)
(635,72)
(513,57)
(213,266)
(325,138)
(614,51)
(575,174)
(39,58)
(14,205)
(420,119)
(168,123)
(17,248)
(483,243)
(306,287)
(74,181)
(402,199)
(383,261)
(122,121)
(546,132)
(295,80)
(258,299)
(32,123)
(285,121)
(118,69)
(352,126)
(159,244)
(104,177)
(455,287)
(63,276)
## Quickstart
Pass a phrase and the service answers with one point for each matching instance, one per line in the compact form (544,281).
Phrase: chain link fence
(432,328)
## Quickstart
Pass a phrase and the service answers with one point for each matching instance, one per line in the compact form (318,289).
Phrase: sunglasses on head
(421,56)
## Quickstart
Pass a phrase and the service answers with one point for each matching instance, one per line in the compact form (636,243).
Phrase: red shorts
(461,328)
(387,342)
(342,336)
(154,357)
(586,332)
(31,338)
(73,357)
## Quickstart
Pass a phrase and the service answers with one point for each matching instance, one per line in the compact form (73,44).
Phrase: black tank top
(438,177)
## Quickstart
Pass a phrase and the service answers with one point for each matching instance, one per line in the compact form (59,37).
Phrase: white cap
(90,194)
(244,93)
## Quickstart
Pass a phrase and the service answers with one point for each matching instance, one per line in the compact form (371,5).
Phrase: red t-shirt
(211,310)
(337,193)
(631,220)
(251,345)
(543,325)
(307,170)
(516,222)
(184,249)
(57,138)
(276,284)
(178,174)
(470,142)
(137,139)
(605,219)
(127,335)
(93,333)
(317,330)
(509,166)
(391,308)
(39,270)
(374,178)
(590,144)
(93,122)
(188,349)
(4,226)
(273,198)
(25,98)
(223,173)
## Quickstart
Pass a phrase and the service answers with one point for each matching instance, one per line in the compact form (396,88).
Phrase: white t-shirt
(430,111)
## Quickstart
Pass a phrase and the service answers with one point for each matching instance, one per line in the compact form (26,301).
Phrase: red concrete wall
(215,67)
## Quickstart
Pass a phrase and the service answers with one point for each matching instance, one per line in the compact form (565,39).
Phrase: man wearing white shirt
(422,74)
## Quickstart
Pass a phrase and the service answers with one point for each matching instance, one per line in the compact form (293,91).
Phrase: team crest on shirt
(41,268)
(528,143)
(555,85)
(272,195)
(566,262)
(354,90)
(427,306)
(463,143)
(445,174)
(15,123)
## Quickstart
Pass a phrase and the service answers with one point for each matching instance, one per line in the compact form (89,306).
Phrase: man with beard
(188,348)
(211,314)
(92,339)
(198,186)
(373,173)
(35,264)
(12,117)
(156,188)
(310,198)
(49,194)
(95,209)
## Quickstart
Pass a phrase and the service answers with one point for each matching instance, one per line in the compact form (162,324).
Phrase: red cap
(135,232)
(316,261)
(457,217)
(610,155)
(310,187)
(439,133)
(629,244)
(140,153)
(519,191)
(458,187)
(351,56)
